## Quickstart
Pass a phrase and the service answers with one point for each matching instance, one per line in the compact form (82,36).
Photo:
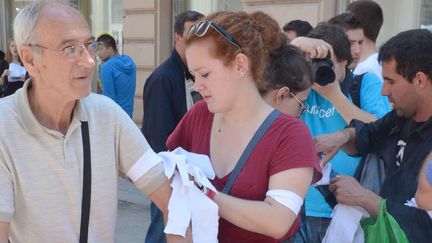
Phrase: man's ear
(281,94)
(28,59)
(421,80)
(241,64)
(177,38)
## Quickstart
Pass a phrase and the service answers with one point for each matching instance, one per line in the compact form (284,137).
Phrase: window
(107,18)
(426,15)
(206,6)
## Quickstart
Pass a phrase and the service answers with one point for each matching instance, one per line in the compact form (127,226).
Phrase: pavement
(133,216)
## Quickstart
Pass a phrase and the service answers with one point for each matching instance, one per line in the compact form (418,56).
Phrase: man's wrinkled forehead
(57,16)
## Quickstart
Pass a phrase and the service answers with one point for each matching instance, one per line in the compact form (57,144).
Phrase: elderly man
(45,153)
(402,138)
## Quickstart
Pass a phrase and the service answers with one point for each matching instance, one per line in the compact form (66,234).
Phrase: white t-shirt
(16,72)
(370,64)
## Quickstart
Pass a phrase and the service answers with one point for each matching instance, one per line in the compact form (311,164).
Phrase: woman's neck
(15,60)
(246,110)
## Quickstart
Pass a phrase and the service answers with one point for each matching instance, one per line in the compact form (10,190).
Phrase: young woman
(227,53)
(12,78)
(288,79)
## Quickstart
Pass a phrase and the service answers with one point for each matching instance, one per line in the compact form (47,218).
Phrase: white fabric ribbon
(325,179)
(287,198)
(187,202)
(345,225)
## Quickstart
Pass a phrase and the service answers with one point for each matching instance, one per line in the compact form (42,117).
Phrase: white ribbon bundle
(188,204)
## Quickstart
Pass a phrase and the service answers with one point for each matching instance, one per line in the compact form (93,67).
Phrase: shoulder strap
(249,148)
(86,196)
(355,89)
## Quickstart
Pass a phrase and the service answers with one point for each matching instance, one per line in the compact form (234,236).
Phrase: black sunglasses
(201,28)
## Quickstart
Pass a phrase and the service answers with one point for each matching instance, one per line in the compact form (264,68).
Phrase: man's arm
(4,232)
(415,223)
(329,144)
(333,93)
(349,192)
(314,48)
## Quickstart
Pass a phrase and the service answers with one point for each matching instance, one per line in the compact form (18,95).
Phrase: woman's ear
(281,94)
(241,64)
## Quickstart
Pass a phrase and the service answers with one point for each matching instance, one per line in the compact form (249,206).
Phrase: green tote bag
(384,229)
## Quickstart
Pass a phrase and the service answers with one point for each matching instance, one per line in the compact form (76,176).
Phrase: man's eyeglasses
(74,52)
(201,28)
(302,107)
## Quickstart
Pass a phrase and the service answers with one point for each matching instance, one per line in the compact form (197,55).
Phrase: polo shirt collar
(29,121)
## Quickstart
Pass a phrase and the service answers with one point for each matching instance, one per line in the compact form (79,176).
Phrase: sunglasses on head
(201,28)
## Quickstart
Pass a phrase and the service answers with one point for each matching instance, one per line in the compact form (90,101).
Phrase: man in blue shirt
(329,109)
(117,73)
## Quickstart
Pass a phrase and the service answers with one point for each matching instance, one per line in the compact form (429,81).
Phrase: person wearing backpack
(403,137)
(329,109)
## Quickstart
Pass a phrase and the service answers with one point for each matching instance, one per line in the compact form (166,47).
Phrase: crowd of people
(286,116)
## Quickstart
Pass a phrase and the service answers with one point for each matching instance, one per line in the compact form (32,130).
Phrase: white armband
(143,165)
(289,199)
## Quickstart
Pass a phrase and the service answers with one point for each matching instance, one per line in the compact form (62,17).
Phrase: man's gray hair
(25,23)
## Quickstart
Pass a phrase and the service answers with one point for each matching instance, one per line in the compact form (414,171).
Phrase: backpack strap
(249,148)
(355,89)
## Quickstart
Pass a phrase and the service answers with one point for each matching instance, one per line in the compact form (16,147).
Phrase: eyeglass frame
(302,107)
(81,48)
(225,34)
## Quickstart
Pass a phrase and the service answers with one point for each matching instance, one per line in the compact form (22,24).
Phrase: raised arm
(333,93)
(314,48)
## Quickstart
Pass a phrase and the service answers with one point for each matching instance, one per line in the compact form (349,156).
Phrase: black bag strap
(249,148)
(86,196)
(355,89)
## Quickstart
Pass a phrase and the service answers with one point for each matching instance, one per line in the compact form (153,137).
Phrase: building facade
(143,28)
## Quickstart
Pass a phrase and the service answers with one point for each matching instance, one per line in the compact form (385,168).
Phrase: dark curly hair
(412,51)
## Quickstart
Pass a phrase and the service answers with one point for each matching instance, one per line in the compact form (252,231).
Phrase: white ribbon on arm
(187,202)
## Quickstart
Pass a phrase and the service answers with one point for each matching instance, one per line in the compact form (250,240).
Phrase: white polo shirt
(41,169)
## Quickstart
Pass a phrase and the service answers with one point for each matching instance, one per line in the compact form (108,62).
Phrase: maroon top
(286,144)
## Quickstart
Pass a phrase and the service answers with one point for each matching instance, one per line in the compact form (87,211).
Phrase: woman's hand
(5,73)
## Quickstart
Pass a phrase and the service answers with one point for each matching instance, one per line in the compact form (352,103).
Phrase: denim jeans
(317,227)
(303,233)
(155,232)
(312,229)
